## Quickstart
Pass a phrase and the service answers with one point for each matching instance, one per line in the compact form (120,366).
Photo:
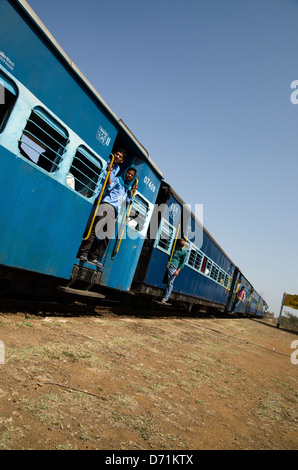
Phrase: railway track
(79,304)
(91,307)
(76,302)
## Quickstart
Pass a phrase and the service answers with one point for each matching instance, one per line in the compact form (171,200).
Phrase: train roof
(86,82)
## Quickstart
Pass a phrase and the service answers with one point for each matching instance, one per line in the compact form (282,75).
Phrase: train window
(221,278)
(201,263)
(43,140)
(195,259)
(166,235)
(208,267)
(8,96)
(138,213)
(214,272)
(84,173)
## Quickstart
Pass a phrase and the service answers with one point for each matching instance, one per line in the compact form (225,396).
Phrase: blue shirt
(114,172)
(115,194)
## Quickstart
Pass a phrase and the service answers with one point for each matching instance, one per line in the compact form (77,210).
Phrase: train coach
(209,281)
(56,139)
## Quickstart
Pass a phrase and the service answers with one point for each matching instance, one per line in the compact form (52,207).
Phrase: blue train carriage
(259,306)
(56,136)
(122,254)
(264,308)
(253,304)
(207,278)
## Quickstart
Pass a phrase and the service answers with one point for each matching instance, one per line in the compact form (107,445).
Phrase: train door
(122,254)
(233,287)
(115,267)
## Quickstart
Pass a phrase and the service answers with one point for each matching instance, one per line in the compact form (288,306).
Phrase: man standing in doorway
(177,263)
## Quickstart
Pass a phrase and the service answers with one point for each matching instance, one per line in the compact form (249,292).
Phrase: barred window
(198,261)
(214,272)
(43,140)
(8,96)
(221,278)
(84,173)
(166,236)
(138,213)
(208,267)
(195,259)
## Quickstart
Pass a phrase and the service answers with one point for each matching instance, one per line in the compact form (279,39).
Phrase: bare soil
(127,383)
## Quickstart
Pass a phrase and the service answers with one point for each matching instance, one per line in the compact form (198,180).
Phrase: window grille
(8,96)
(166,236)
(198,261)
(214,272)
(221,278)
(84,173)
(195,259)
(43,140)
(208,267)
(138,213)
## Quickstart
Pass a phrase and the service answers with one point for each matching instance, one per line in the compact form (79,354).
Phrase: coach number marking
(148,181)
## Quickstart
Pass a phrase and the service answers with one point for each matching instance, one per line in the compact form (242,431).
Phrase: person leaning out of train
(118,193)
(119,158)
(177,263)
(240,298)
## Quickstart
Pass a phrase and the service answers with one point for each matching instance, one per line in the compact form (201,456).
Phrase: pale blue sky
(205,85)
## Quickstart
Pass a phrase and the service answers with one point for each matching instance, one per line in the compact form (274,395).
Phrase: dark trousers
(102,231)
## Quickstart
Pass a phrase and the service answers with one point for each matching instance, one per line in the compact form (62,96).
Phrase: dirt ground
(127,383)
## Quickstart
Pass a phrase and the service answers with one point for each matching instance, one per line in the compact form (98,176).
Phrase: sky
(205,86)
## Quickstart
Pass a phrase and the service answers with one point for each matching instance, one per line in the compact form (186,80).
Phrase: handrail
(126,219)
(99,199)
(237,290)
(174,245)
(229,282)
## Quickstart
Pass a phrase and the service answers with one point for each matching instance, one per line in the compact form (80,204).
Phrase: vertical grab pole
(99,199)
(173,249)
(237,289)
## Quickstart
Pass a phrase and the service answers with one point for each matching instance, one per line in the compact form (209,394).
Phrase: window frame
(144,203)
(12,88)
(93,159)
(40,116)
(171,239)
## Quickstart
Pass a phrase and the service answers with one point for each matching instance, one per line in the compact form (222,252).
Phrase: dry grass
(127,383)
